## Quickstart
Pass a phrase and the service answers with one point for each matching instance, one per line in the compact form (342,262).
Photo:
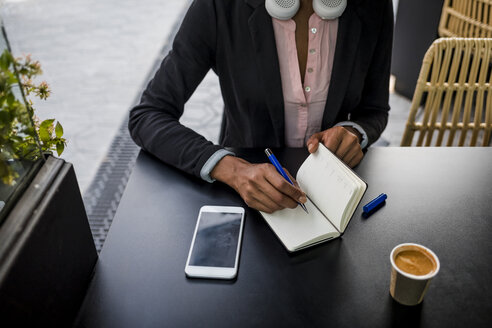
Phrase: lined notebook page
(295,228)
(329,188)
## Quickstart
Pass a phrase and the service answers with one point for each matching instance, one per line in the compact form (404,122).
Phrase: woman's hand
(343,141)
(260,185)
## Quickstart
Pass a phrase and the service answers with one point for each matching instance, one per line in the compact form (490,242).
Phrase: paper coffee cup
(409,288)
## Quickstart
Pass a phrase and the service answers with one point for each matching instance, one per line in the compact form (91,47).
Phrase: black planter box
(47,253)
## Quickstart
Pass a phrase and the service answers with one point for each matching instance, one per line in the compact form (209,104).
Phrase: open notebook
(333,191)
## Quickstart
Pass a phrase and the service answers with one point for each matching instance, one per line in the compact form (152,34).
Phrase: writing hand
(260,185)
(344,142)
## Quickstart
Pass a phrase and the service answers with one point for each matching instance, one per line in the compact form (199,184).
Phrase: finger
(356,160)
(348,147)
(283,192)
(262,194)
(332,138)
(262,202)
(270,194)
(258,205)
(313,142)
(281,185)
(250,190)
(275,187)
(292,178)
(254,196)
(340,141)
(300,199)
(349,156)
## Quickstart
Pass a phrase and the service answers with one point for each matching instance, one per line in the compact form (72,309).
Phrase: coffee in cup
(413,267)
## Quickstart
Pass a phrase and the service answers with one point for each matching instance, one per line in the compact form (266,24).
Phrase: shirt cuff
(364,141)
(211,162)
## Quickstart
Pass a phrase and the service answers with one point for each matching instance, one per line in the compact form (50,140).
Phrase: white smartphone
(214,250)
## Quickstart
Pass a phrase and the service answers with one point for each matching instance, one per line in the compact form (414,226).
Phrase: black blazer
(236,39)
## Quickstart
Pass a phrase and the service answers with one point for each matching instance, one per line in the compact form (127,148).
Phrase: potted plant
(22,140)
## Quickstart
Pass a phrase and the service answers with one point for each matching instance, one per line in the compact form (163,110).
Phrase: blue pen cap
(374,203)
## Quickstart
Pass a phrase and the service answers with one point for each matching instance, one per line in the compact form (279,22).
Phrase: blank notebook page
(295,227)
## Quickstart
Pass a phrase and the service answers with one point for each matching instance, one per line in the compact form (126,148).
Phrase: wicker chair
(454,89)
(466,18)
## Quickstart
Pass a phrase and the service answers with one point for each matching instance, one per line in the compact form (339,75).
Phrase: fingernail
(302,199)
(310,147)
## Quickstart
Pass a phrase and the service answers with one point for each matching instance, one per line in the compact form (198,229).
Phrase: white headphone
(286,9)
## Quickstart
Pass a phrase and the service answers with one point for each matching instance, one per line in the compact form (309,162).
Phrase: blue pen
(374,203)
(280,170)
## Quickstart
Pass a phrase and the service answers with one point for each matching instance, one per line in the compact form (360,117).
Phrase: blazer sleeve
(154,123)
(372,112)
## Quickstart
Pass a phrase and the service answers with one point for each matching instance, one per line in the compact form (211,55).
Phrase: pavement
(96,56)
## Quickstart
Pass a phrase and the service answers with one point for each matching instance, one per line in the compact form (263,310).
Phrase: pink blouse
(305,103)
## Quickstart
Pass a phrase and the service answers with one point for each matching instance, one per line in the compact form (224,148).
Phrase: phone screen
(216,240)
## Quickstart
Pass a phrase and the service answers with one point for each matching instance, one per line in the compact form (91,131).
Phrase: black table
(439,197)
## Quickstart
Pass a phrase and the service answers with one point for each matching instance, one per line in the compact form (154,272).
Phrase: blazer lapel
(347,41)
(262,34)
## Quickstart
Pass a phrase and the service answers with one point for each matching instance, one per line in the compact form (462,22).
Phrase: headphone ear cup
(282,9)
(329,9)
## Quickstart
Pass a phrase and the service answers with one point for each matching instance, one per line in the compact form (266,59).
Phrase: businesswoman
(291,74)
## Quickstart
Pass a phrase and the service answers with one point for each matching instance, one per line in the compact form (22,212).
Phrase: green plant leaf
(30,131)
(5,60)
(47,122)
(44,130)
(16,138)
(10,99)
(60,147)
(5,117)
(44,134)
(58,130)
